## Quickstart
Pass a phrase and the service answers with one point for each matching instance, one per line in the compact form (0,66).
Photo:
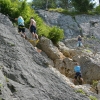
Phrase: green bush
(82,5)
(94,83)
(5,6)
(63,11)
(97,10)
(15,8)
(57,9)
(43,30)
(80,91)
(93,98)
(56,34)
(0,85)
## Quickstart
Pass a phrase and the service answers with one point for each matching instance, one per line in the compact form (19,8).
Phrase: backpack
(20,21)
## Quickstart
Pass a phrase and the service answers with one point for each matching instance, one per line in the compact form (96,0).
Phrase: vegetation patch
(80,91)
(0,85)
(6,79)
(87,50)
(92,98)
(16,8)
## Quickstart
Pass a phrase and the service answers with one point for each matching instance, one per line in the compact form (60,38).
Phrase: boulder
(90,69)
(98,86)
(52,51)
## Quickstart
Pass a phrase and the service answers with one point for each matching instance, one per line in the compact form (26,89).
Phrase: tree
(83,5)
(44,4)
(5,6)
(64,4)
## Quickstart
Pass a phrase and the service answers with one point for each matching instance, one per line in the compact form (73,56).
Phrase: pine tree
(82,5)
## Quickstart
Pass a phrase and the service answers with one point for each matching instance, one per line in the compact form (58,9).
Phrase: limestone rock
(98,86)
(51,50)
(90,69)
(27,75)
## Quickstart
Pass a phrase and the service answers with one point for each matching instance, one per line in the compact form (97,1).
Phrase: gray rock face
(24,74)
(73,26)
(90,25)
(67,23)
(90,69)
(51,50)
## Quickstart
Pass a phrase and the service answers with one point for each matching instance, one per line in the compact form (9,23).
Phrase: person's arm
(16,18)
(34,22)
(30,24)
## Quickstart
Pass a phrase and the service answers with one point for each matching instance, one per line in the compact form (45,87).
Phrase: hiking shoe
(25,37)
(21,35)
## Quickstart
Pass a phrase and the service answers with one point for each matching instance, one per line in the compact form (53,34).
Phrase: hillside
(24,74)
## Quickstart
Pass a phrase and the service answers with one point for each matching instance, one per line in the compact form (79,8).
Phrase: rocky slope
(25,74)
(88,25)
(88,57)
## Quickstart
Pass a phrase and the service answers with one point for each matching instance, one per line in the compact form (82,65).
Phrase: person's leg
(36,36)
(80,76)
(32,32)
(75,79)
(33,35)
(23,32)
(81,79)
(19,30)
(79,44)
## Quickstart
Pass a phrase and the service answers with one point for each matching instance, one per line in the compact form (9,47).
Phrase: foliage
(56,10)
(15,8)
(93,98)
(97,10)
(94,83)
(87,50)
(0,85)
(25,11)
(80,91)
(6,79)
(5,6)
(56,34)
(43,4)
(64,4)
(82,5)
(91,12)
(64,11)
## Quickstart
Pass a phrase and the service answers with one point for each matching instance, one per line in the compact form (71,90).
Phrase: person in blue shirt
(77,70)
(21,26)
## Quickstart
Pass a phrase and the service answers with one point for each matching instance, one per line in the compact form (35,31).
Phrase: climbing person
(77,70)
(21,26)
(79,39)
(32,28)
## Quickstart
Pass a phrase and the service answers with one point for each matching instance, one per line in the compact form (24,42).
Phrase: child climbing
(79,41)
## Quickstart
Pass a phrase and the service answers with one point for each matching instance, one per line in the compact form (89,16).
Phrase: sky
(97,2)
(29,0)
